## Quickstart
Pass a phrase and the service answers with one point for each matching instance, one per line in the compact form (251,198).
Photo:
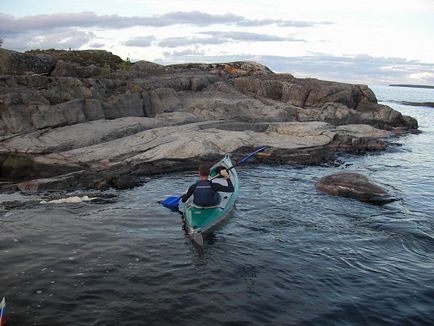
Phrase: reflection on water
(289,255)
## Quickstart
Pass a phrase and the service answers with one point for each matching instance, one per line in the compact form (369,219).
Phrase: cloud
(140,41)
(96,45)
(174,42)
(59,40)
(13,25)
(217,37)
(186,52)
(353,69)
(247,36)
(299,23)
(356,69)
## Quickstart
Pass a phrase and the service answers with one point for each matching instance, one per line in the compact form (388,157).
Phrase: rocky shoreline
(88,120)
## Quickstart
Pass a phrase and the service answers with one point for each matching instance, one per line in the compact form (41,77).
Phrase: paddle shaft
(242,161)
(216,176)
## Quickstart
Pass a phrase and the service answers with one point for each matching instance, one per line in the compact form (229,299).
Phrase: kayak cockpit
(204,219)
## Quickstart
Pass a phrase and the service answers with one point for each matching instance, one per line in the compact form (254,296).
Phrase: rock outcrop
(356,186)
(87,119)
(331,102)
(82,58)
(16,63)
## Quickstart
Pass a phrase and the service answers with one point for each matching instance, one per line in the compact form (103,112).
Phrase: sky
(368,42)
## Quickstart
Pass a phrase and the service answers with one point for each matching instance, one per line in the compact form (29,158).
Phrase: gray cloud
(96,45)
(356,69)
(140,41)
(13,25)
(247,36)
(59,40)
(352,69)
(186,52)
(216,37)
(174,42)
(299,23)
(282,23)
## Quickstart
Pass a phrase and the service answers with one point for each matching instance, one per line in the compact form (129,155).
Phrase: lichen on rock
(89,119)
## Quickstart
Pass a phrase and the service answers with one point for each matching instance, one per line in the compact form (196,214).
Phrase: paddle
(172,202)
(244,159)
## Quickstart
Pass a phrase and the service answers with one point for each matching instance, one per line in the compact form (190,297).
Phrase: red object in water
(3,317)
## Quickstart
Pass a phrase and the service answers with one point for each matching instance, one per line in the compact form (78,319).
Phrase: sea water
(288,255)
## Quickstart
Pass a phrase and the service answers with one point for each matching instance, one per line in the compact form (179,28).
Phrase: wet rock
(17,167)
(18,204)
(356,186)
(125,182)
(58,183)
(411,122)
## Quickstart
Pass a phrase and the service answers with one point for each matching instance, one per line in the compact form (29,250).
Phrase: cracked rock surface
(68,123)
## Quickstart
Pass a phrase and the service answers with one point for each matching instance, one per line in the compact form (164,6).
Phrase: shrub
(105,70)
(134,88)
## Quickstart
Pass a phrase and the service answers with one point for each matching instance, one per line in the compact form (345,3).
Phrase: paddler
(204,191)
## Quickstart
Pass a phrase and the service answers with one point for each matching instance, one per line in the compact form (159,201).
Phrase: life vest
(204,195)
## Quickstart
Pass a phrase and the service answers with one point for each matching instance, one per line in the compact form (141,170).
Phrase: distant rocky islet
(87,119)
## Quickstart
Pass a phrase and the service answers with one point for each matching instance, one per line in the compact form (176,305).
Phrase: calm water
(289,255)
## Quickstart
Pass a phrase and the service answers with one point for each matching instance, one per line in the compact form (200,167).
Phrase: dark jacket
(206,192)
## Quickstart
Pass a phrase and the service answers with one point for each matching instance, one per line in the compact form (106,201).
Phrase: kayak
(200,221)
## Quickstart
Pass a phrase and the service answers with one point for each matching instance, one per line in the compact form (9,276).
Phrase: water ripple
(289,255)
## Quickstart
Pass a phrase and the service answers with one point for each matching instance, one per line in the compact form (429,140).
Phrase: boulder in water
(356,186)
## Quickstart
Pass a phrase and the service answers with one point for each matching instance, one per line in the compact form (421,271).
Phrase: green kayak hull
(206,219)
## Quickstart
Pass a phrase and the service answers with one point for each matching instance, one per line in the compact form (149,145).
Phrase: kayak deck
(201,216)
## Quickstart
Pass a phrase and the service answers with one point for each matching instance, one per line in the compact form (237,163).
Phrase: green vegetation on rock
(105,70)
(84,57)
(4,61)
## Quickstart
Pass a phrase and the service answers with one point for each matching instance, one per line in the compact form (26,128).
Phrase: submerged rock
(356,186)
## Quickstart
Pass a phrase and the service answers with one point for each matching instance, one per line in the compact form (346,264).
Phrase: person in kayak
(205,192)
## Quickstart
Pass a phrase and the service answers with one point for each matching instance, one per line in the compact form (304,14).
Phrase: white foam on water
(68,200)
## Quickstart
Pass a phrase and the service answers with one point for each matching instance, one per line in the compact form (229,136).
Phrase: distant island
(427,104)
(413,86)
